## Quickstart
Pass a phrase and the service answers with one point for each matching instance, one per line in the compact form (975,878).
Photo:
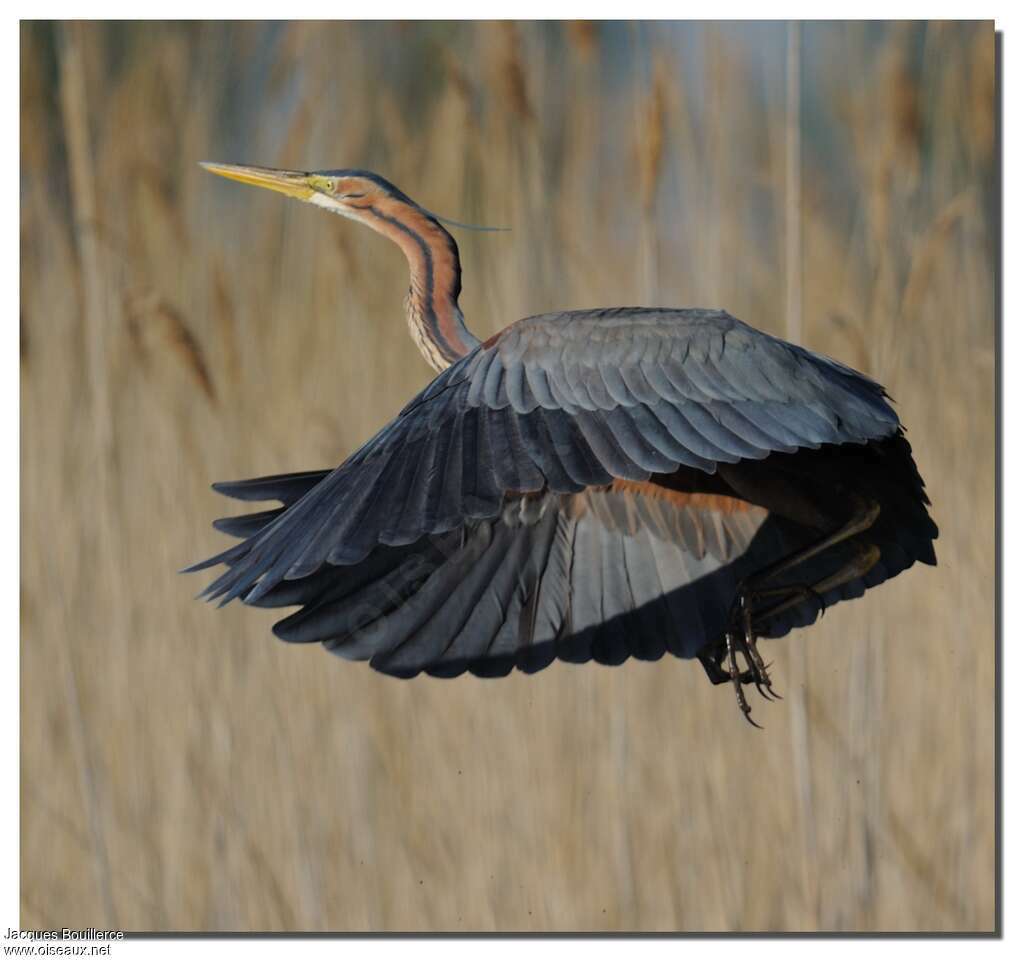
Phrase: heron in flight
(586,485)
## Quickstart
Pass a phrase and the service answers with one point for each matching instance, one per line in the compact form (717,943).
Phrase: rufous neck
(435,280)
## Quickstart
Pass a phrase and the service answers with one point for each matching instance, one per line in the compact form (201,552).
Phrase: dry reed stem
(75,117)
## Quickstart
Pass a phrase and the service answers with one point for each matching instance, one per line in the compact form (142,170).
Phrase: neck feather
(435,280)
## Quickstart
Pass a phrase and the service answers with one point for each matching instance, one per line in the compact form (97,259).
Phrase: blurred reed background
(183,770)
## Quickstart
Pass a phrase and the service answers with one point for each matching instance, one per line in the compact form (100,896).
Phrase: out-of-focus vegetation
(181,769)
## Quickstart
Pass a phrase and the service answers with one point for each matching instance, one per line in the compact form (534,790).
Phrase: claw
(738,679)
(721,662)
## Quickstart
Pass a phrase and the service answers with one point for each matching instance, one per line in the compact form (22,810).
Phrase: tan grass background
(183,770)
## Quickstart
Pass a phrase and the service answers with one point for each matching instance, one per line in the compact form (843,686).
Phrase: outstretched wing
(558,404)
(631,569)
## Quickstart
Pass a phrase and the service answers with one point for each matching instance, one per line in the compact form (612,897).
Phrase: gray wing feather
(540,391)
(638,380)
(636,445)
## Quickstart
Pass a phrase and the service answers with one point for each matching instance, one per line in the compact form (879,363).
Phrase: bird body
(593,484)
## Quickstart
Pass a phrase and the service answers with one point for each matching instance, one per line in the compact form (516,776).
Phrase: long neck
(432,307)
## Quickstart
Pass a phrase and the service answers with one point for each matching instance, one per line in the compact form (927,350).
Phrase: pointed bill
(291,183)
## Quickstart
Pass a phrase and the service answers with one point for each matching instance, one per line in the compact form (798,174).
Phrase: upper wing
(559,403)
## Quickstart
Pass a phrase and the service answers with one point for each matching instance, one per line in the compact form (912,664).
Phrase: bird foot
(721,661)
(728,652)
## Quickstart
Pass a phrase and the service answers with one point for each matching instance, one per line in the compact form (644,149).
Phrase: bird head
(357,194)
(351,193)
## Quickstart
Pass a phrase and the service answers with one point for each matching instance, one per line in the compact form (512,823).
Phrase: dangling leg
(865,557)
(755,587)
(864,515)
(741,632)
(745,642)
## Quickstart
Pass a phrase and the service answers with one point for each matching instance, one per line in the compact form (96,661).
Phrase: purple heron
(587,485)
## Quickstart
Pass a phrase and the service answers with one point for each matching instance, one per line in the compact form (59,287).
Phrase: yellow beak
(291,183)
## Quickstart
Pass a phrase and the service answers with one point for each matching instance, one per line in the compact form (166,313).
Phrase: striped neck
(435,279)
